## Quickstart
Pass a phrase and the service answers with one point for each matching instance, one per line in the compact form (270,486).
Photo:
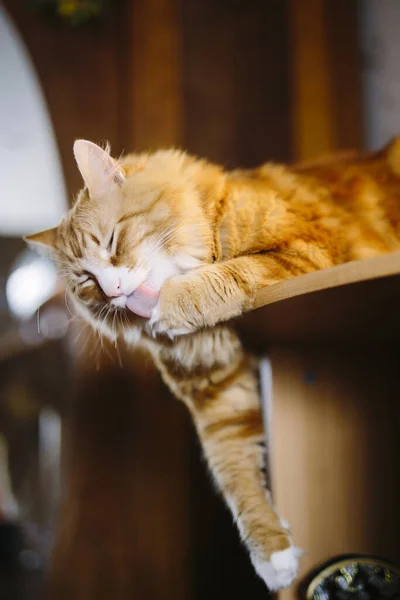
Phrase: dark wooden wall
(226,80)
(236,85)
(326,104)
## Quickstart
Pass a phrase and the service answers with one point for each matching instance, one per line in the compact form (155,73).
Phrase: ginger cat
(161,248)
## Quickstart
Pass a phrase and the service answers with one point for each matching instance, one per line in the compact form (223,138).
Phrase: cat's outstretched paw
(281,570)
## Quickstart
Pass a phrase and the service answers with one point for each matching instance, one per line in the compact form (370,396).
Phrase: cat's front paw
(167,323)
(281,570)
(175,313)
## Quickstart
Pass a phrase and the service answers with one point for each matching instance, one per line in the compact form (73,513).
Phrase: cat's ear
(44,242)
(100,172)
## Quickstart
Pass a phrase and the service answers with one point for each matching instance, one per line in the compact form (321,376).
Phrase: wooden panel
(211,113)
(346,71)
(155,110)
(313,111)
(326,77)
(335,451)
(120,534)
(236,80)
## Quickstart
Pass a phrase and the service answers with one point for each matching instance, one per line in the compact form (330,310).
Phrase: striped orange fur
(161,248)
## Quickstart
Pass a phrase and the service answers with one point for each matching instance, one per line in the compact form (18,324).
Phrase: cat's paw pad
(281,570)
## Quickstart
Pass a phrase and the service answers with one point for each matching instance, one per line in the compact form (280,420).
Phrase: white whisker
(66,301)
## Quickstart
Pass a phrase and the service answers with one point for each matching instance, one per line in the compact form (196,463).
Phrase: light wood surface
(352,272)
(354,302)
(335,452)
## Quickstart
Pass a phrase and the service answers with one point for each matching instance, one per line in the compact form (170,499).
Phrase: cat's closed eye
(111,241)
(84,278)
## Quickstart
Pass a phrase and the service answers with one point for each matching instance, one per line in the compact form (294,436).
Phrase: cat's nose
(111,286)
(116,290)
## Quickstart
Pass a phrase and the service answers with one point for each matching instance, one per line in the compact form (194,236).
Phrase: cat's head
(136,223)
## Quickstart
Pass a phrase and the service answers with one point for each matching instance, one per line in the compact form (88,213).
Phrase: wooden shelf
(351,272)
(354,302)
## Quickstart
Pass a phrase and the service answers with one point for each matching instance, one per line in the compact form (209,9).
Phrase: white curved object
(32,189)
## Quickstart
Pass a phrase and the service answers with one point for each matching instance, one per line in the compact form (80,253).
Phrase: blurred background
(103,491)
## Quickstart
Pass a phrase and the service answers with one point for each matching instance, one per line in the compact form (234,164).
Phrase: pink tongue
(142,301)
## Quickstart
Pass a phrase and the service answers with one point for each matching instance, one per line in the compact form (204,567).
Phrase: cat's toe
(161,324)
(154,325)
(281,570)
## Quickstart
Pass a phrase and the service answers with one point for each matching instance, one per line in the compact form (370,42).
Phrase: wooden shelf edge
(351,272)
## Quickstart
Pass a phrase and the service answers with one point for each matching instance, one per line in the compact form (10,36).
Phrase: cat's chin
(142,301)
